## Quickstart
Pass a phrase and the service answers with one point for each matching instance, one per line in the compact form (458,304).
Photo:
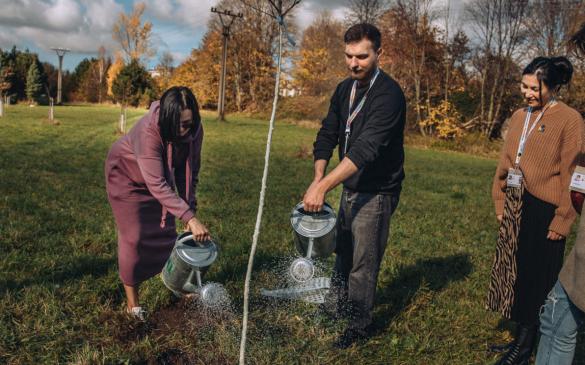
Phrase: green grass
(61,298)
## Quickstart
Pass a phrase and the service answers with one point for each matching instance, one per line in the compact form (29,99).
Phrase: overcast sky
(84,25)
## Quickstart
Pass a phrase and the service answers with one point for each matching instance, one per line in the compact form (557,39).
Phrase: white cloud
(102,14)
(64,15)
(185,12)
(82,27)
(309,10)
(61,15)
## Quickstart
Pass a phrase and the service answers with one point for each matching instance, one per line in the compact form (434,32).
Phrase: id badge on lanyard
(515,176)
(358,108)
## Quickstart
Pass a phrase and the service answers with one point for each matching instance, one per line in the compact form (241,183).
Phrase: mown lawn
(61,299)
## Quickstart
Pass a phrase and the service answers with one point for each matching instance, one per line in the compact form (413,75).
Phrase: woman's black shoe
(515,356)
(521,350)
(502,347)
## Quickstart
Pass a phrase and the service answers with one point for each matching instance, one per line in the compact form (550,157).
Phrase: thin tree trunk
(447,60)
(428,104)
(238,87)
(491,103)
(418,106)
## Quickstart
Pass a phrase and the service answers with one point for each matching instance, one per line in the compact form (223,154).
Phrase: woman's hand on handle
(554,236)
(200,232)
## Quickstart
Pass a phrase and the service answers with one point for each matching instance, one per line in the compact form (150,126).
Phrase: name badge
(578,179)
(514,179)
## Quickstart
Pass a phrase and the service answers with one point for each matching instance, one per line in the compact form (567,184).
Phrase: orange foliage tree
(320,64)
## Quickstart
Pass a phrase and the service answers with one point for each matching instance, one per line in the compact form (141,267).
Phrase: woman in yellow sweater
(532,201)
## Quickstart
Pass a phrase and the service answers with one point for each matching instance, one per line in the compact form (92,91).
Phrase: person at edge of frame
(151,178)
(366,120)
(532,202)
(564,311)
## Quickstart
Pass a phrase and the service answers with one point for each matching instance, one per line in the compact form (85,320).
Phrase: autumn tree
(250,64)
(365,11)
(414,53)
(165,69)
(103,65)
(499,28)
(88,80)
(200,72)
(133,36)
(320,62)
(6,79)
(113,72)
(548,35)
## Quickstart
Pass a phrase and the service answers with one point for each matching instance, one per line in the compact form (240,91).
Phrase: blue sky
(84,25)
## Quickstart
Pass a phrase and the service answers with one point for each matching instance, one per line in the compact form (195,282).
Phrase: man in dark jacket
(366,120)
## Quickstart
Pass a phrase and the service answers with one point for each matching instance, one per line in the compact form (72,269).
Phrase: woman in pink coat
(151,176)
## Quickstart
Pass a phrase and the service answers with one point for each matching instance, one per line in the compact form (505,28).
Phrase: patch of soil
(184,318)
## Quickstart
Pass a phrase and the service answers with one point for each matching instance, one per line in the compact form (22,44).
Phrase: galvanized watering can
(314,235)
(185,267)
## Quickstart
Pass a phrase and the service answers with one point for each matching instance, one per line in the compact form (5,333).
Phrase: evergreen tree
(131,84)
(33,82)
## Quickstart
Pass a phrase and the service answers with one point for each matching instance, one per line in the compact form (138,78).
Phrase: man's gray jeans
(363,225)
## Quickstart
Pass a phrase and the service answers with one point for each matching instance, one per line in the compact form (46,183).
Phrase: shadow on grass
(434,274)
(72,268)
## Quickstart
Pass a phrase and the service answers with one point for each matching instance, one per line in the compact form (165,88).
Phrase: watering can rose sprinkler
(314,236)
(185,267)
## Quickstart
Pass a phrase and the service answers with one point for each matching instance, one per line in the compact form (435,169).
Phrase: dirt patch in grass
(184,330)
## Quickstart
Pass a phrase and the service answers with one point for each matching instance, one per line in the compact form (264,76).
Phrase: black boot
(521,350)
(499,348)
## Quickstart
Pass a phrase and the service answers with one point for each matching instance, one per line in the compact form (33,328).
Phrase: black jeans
(363,226)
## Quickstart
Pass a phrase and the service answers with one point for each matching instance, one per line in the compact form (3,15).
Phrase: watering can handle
(189,237)
(302,206)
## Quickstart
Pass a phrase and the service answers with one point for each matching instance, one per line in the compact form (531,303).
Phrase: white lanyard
(526,132)
(358,108)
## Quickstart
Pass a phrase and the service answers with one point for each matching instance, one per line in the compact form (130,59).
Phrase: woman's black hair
(172,103)
(577,41)
(554,72)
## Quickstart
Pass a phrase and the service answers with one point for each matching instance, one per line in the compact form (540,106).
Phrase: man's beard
(360,74)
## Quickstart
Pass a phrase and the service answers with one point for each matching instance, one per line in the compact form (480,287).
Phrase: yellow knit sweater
(552,151)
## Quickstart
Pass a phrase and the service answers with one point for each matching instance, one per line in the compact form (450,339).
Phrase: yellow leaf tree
(320,62)
(133,36)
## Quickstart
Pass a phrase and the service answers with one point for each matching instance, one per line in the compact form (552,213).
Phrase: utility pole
(226,25)
(60,53)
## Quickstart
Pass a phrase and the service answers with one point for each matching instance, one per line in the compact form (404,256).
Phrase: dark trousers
(363,226)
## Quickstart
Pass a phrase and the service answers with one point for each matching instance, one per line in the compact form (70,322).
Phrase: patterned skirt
(503,276)
(526,264)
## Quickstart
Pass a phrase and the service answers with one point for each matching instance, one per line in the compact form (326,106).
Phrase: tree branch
(256,9)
